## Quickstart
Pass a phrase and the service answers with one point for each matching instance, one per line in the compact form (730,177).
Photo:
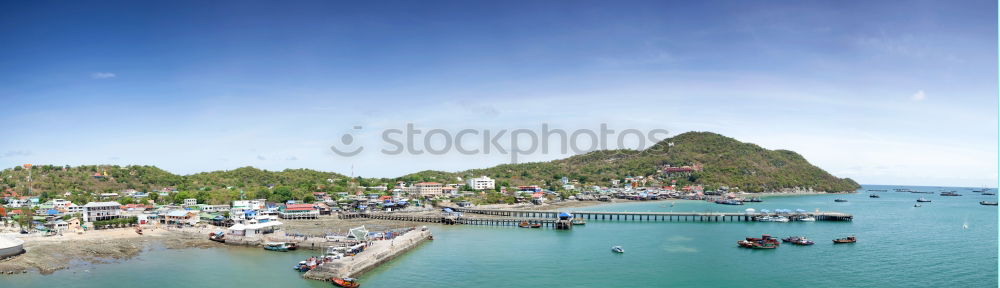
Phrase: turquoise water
(899,246)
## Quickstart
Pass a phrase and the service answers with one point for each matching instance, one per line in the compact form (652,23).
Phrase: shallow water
(899,246)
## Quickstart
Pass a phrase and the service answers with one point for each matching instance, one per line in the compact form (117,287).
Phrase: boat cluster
(780,215)
(767,242)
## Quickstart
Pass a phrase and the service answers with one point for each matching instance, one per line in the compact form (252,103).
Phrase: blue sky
(888,92)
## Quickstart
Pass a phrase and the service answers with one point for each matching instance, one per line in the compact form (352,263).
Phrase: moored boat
(848,239)
(988,203)
(345,282)
(579,221)
(840,200)
(917,205)
(874,196)
(524,224)
(536,225)
(276,246)
(808,219)
(922,199)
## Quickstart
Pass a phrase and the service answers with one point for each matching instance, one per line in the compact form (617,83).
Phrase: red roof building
(299,207)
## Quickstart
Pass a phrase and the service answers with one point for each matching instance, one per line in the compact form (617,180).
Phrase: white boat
(808,219)
(781,219)
(617,249)
(765,219)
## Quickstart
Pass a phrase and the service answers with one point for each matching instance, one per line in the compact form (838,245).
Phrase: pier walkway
(649,216)
(548,218)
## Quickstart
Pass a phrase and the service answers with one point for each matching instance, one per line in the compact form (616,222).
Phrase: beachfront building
(180,217)
(481,183)
(298,211)
(253,230)
(425,189)
(99,211)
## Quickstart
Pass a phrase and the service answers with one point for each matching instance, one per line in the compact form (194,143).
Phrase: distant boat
(849,239)
(950,194)
(917,205)
(524,224)
(922,199)
(536,225)
(840,200)
(617,249)
(873,196)
(579,221)
(989,193)
(808,219)
(988,203)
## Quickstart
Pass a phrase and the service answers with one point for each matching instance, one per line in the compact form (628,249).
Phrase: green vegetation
(726,161)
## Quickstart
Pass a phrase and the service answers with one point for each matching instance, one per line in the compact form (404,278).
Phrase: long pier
(548,218)
(650,216)
(483,221)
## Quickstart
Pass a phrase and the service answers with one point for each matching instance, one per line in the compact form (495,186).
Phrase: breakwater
(378,252)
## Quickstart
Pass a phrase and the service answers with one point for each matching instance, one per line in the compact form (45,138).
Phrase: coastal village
(352,231)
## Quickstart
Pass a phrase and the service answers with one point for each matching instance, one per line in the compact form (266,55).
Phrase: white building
(97,211)
(481,183)
(190,202)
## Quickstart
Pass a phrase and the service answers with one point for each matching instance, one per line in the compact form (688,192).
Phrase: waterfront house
(298,211)
(538,198)
(181,217)
(98,211)
(253,230)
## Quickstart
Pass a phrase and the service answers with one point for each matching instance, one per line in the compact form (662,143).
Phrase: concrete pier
(379,252)
(649,216)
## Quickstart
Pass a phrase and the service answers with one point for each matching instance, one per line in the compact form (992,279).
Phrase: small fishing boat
(922,199)
(803,242)
(757,244)
(989,193)
(754,199)
(840,200)
(217,237)
(345,282)
(808,219)
(536,225)
(849,239)
(950,194)
(276,246)
(524,224)
(790,239)
(299,267)
(780,219)
(917,205)
(728,202)
(874,196)
(617,249)
(988,203)
(579,221)
(292,246)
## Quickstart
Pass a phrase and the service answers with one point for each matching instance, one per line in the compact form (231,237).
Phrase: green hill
(725,161)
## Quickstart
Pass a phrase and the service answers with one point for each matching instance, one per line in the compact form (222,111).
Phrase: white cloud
(919,96)
(102,75)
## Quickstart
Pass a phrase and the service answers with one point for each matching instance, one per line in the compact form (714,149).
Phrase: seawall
(378,253)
